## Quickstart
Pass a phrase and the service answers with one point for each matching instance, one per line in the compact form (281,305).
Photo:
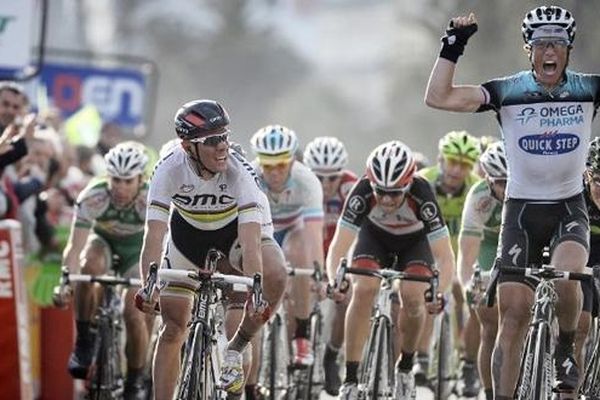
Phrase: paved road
(422,394)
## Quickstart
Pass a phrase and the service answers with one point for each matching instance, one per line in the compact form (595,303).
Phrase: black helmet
(199,118)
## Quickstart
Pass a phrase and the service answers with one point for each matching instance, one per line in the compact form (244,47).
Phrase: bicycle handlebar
(182,274)
(390,274)
(101,279)
(546,272)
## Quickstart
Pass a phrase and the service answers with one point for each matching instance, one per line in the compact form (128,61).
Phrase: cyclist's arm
(340,244)
(468,251)
(443,94)
(249,234)
(77,240)
(314,232)
(444,259)
(154,233)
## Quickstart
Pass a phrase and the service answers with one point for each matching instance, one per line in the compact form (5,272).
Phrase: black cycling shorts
(382,248)
(530,225)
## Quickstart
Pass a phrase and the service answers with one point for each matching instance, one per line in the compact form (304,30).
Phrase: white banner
(16,31)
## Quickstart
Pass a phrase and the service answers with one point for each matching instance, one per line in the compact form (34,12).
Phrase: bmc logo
(203,199)
(549,143)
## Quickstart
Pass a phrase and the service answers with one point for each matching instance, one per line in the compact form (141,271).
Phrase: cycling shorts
(530,225)
(377,246)
(126,249)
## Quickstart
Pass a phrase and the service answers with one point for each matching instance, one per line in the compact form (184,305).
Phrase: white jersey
(545,133)
(210,204)
(301,200)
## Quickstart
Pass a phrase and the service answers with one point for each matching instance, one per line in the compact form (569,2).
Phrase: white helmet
(325,155)
(549,16)
(391,166)
(126,160)
(493,161)
(274,143)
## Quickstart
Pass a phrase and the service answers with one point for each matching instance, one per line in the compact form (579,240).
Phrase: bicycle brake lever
(257,292)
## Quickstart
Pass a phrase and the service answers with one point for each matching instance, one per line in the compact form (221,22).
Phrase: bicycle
(200,373)
(376,373)
(590,386)
(537,367)
(282,378)
(105,377)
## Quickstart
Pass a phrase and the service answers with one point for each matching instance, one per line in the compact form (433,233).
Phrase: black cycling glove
(455,40)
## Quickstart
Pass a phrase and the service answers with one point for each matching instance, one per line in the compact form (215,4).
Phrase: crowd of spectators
(41,173)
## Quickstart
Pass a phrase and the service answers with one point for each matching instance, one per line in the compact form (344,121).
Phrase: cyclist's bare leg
(241,327)
(138,335)
(413,318)
(364,291)
(488,318)
(583,328)
(470,337)
(175,312)
(336,339)
(274,286)
(569,256)
(87,295)
(459,313)
(515,300)
(297,256)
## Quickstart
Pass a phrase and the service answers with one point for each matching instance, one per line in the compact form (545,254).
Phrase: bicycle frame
(200,370)
(106,376)
(376,373)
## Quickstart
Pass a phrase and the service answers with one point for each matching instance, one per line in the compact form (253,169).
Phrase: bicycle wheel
(543,367)
(275,356)
(192,366)
(525,386)
(316,375)
(377,369)
(442,362)
(105,381)
(591,378)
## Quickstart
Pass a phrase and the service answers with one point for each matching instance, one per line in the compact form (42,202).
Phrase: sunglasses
(271,167)
(544,43)
(213,140)
(328,178)
(397,192)
(499,181)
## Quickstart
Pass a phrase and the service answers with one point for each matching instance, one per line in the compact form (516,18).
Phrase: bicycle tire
(188,386)
(275,375)
(378,348)
(591,379)
(383,380)
(524,387)
(316,375)
(542,388)
(100,387)
(443,354)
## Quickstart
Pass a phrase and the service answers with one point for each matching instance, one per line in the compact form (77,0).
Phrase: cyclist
(327,158)
(484,143)
(545,204)
(391,213)
(451,179)
(109,221)
(478,240)
(296,201)
(202,195)
(592,199)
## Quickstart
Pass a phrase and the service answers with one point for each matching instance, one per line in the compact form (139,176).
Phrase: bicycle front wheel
(192,367)
(543,368)
(316,373)
(378,368)
(442,363)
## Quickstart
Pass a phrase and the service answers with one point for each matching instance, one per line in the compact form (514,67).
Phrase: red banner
(15,359)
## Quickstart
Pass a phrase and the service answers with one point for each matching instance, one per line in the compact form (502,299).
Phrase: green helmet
(460,146)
